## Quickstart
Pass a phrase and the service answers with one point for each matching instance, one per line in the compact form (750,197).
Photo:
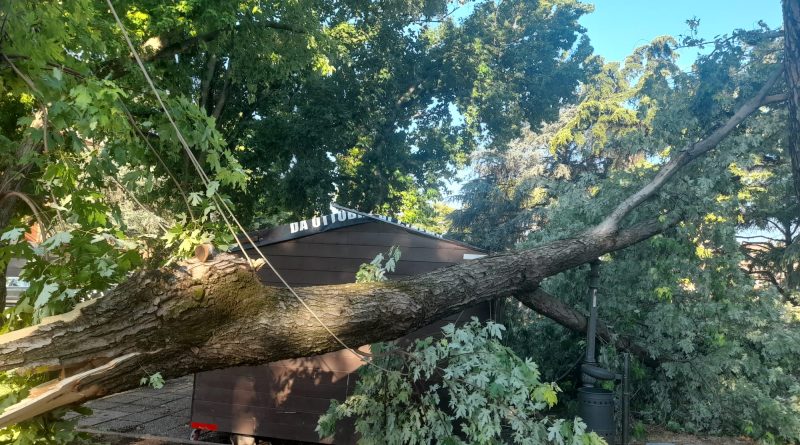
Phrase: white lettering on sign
(344,215)
(322,221)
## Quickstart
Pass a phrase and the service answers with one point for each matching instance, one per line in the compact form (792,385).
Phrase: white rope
(221,204)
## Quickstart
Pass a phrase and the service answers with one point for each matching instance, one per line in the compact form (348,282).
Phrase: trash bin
(597,410)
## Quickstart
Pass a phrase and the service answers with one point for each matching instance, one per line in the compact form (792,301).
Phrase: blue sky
(616,27)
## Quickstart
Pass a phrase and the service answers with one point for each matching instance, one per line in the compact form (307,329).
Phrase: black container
(597,410)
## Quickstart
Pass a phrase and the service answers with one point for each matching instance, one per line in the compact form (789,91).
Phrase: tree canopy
(714,298)
(272,111)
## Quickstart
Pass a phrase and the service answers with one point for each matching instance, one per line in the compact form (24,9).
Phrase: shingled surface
(145,415)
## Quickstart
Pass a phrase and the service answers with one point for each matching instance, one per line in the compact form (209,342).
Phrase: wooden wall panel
(295,425)
(333,251)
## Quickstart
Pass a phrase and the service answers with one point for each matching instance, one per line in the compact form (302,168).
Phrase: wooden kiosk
(283,400)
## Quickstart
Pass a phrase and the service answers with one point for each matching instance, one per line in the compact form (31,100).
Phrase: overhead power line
(222,206)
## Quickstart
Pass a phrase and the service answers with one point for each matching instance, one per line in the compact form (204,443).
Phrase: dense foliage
(373,104)
(463,387)
(712,299)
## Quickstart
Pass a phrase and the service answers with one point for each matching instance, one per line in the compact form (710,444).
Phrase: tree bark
(206,81)
(791,29)
(222,97)
(12,180)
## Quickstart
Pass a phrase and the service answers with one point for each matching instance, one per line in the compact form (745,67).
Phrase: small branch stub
(204,252)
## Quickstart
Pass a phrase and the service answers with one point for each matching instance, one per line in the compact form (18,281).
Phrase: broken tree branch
(686,155)
(551,307)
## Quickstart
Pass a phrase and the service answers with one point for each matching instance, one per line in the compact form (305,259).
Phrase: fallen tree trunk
(203,316)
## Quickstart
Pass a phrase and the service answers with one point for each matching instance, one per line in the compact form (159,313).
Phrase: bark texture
(791,29)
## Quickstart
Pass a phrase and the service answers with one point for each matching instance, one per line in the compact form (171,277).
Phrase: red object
(204,426)
(34,235)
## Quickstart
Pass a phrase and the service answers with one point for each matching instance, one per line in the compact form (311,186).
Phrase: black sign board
(338,218)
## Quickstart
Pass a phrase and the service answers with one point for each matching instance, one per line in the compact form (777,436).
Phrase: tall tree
(791,36)
(678,299)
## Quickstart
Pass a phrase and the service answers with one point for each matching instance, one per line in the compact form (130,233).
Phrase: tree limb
(65,392)
(223,94)
(791,42)
(769,276)
(207,79)
(775,98)
(551,307)
(65,69)
(182,46)
(686,156)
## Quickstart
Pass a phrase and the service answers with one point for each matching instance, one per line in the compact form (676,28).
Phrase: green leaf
(155,381)
(59,239)
(195,198)
(212,188)
(13,235)
(45,294)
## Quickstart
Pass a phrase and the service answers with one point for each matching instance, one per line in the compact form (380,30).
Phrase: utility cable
(221,204)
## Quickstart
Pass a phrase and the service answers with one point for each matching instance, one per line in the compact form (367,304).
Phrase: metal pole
(626,399)
(591,330)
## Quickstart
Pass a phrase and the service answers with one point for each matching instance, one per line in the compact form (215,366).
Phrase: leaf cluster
(464,387)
